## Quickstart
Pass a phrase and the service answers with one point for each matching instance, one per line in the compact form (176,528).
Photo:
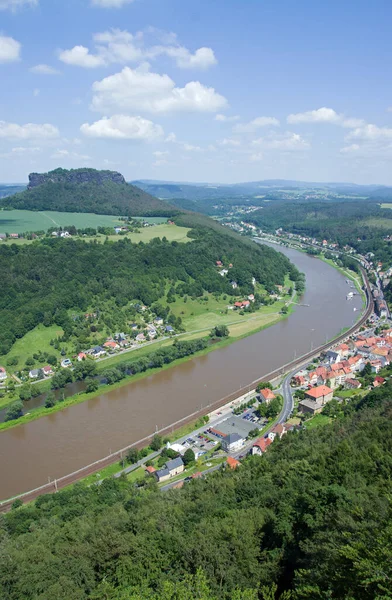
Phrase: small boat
(355,309)
(349,296)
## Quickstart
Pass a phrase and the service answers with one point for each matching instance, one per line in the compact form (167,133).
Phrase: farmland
(20,221)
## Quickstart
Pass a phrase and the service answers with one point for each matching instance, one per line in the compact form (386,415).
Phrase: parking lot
(201,443)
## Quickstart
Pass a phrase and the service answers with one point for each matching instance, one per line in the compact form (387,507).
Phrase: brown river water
(61,443)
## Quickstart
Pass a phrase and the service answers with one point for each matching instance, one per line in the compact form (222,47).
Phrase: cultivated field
(20,221)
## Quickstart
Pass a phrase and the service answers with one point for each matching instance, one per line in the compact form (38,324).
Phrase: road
(116,456)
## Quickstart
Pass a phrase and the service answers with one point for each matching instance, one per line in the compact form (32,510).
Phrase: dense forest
(43,281)
(362,225)
(309,520)
(86,190)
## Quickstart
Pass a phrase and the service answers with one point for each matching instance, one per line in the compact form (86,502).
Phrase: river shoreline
(83,396)
(59,444)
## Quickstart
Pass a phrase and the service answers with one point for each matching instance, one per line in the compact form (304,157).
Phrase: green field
(171,232)
(386,205)
(378,223)
(20,221)
(36,340)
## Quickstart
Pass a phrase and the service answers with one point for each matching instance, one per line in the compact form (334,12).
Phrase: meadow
(20,221)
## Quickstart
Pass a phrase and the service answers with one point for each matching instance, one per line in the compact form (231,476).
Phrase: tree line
(309,520)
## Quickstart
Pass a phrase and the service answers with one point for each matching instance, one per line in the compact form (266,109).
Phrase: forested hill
(43,281)
(310,520)
(87,190)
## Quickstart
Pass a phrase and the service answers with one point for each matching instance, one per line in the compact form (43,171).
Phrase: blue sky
(214,90)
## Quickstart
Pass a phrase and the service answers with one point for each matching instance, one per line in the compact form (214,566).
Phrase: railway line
(95,467)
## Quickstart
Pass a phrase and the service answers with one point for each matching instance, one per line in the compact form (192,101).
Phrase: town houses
(341,367)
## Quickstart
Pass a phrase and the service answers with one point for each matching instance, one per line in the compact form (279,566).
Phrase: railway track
(62,482)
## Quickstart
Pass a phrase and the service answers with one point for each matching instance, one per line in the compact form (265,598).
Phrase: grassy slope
(34,341)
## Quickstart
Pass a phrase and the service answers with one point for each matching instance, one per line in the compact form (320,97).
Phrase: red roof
(380,380)
(262,443)
(319,392)
(267,394)
(279,429)
(150,470)
(232,462)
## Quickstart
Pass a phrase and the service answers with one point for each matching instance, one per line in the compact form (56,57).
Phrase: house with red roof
(233,463)
(378,381)
(111,345)
(82,356)
(266,395)
(321,393)
(150,470)
(352,384)
(260,446)
(47,371)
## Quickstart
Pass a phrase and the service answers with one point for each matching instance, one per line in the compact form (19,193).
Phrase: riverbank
(112,467)
(121,359)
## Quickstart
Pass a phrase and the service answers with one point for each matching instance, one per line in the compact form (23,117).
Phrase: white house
(3,374)
(232,442)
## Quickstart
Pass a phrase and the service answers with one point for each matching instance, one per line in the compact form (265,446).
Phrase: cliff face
(75,176)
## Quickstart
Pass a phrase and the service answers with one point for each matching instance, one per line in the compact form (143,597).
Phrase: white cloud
(256,124)
(9,49)
(117,46)
(16,4)
(21,151)
(66,155)
(139,89)
(191,148)
(43,69)
(353,148)
(161,153)
(80,56)
(122,127)
(111,3)
(30,131)
(324,115)
(36,92)
(370,132)
(229,142)
(287,141)
(203,58)
(171,138)
(225,119)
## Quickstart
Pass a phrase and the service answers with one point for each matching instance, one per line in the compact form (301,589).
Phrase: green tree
(50,400)
(156,443)
(189,457)
(14,411)
(132,455)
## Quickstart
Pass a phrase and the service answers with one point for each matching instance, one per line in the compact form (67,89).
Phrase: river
(59,444)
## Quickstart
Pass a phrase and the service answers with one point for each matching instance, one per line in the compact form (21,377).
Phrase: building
(381,307)
(266,395)
(111,345)
(321,394)
(232,442)
(150,470)
(233,424)
(260,446)
(310,406)
(233,463)
(352,384)
(3,374)
(34,373)
(171,469)
(48,371)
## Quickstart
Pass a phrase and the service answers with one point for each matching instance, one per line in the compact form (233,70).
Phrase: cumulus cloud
(254,125)
(21,151)
(117,46)
(122,127)
(256,157)
(16,4)
(141,90)
(161,153)
(229,142)
(111,3)
(67,155)
(324,115)
(80,56)
(30,131)
(287,141)
(43,69)
(353,148)
(370,132)
(192,148)
(9,49)
(225,119)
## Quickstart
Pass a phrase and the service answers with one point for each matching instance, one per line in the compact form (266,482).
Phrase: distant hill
(8,190)
(86,190)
